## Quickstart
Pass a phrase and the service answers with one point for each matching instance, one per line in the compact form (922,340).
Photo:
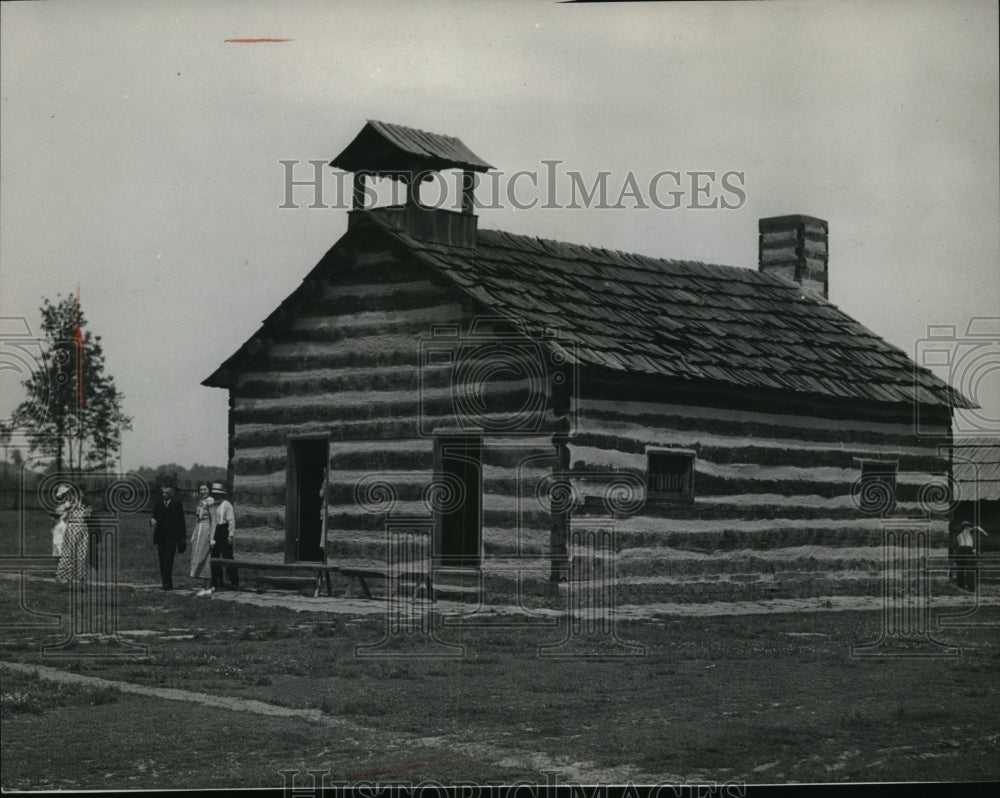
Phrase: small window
(877,489)
(670,475)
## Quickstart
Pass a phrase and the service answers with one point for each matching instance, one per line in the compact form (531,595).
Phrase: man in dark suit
(169,533)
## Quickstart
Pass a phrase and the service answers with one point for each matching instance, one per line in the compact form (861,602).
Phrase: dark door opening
(306,510)
(458,518)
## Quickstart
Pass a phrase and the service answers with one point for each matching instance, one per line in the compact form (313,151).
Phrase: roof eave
(220,378)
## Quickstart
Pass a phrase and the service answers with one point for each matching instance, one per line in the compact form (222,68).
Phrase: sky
(140,156)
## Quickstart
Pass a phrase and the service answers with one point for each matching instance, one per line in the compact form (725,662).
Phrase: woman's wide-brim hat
(217,488)
(62,491)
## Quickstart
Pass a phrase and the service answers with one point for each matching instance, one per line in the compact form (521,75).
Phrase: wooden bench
(319,569)
(360,572)
(322,570)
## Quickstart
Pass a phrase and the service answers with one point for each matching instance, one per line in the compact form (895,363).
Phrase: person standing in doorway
(222,542)
(169,533)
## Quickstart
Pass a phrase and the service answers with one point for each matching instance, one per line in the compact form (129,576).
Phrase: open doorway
(458,524)
(305,524)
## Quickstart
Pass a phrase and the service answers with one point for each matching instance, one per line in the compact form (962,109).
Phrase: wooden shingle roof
(687,320)
(385,148)
(682,319)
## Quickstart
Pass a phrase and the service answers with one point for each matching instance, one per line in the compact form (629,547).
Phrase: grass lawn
(755,698)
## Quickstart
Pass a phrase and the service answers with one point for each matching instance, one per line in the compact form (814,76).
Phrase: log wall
(773,510)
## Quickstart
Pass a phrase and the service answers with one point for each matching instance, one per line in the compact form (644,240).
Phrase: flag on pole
(78,343)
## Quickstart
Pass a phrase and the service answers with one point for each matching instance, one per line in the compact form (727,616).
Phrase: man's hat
(217,488)
(964,524)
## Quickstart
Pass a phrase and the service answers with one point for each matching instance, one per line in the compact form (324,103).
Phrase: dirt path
(990,597)
(564,769)
(352,606)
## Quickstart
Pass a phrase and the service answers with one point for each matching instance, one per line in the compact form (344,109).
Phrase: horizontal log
(253,436)
(389,298)
(686,428)
(816,559)
(646,396)
(654,526)
(269,516)
(703,439)
(412,488)
(366,322)
(332,329)
(651,413)
(321,357)
(773,507)
(408,485)
(710,486)
(522,392)
(246,462)
(532,543)
(374,345)
(516,413)
(247,498)
(701,511)
(820,457)
(261,481)
(357,520)
(827,534)
(320,381)
(401,453)
(376,279)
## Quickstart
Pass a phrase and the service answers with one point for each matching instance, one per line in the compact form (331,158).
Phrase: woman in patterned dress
(201,538)
(76,539)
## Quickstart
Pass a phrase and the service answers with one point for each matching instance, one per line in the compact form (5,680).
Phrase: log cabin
(717,432)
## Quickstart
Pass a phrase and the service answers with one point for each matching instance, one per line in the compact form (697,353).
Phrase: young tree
(6,431)
(81,421)
(17,459)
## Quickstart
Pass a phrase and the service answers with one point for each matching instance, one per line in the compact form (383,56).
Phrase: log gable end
(380,355)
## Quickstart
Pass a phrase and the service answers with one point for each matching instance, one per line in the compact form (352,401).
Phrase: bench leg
(319,581)
(329,588)
(421,585)
(364,587)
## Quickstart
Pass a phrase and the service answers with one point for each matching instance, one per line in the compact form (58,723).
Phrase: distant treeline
(185,480)
(177,476)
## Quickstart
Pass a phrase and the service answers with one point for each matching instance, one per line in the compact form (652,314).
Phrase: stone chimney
(796,248)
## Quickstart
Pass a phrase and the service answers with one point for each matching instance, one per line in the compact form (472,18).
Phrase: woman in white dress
(201,538)
(59,517)
(76,540)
